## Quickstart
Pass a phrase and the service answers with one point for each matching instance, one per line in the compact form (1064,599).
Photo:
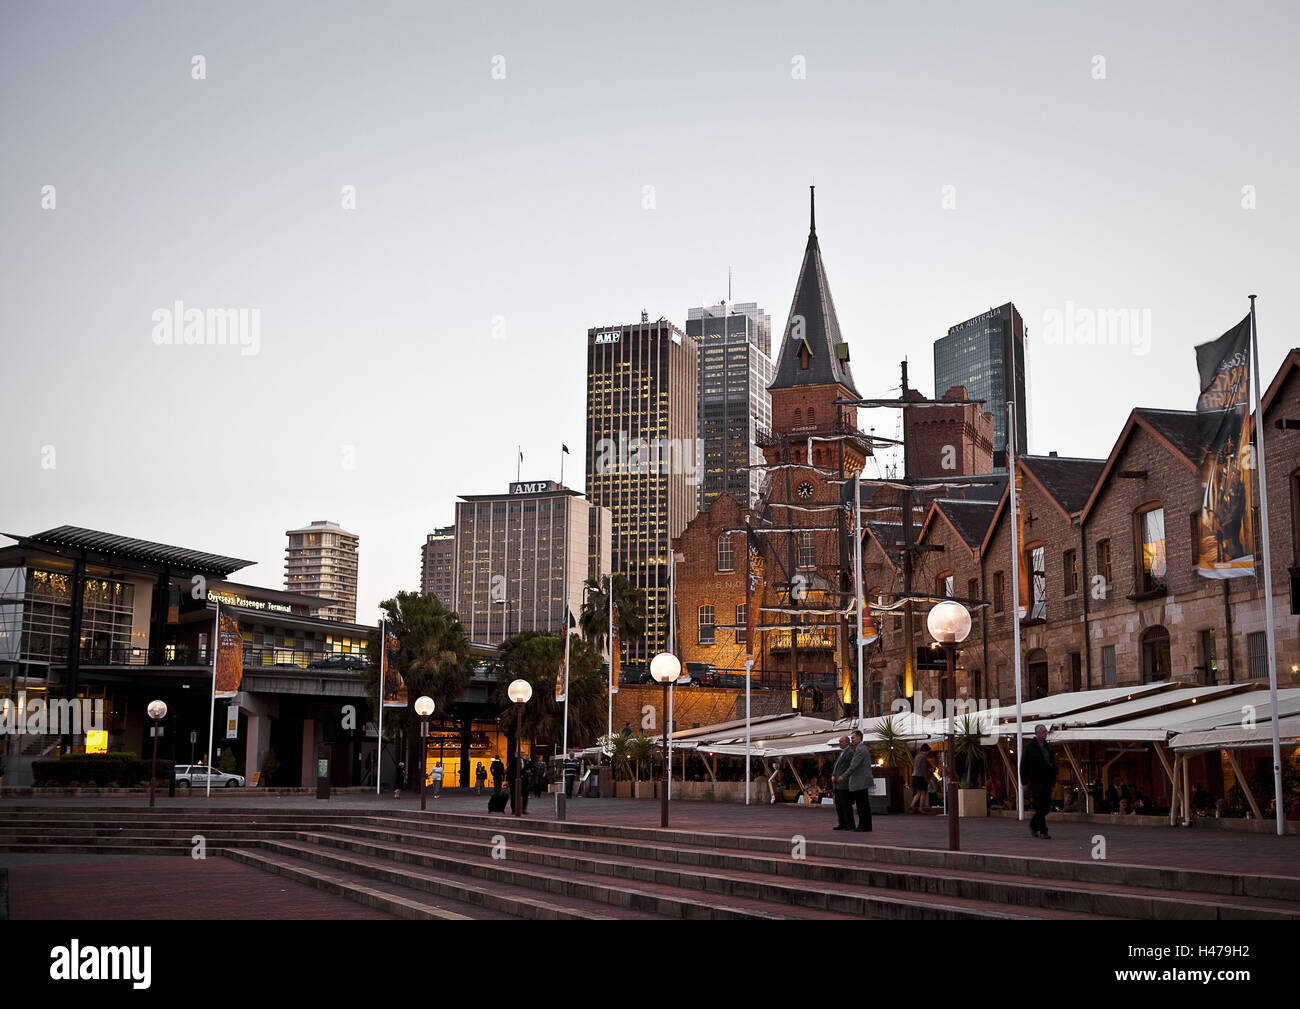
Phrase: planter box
(622,789)
(972,802)
(644,790)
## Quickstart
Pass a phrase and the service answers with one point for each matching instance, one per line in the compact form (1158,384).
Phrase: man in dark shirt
(1038,768)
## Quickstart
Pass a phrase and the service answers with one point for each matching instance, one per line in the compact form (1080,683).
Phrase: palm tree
(538,657)
(593,620)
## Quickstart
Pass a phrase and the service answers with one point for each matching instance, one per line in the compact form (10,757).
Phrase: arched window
(798,416)
(1156,664)
(812,415)
(1036,664)
(817,453)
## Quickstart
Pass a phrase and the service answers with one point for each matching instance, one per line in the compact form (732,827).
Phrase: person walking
(480,776)
(840,786)
(498,772)
(437,779)
(1038,767)
(921,780)
(399,779)
(860,780)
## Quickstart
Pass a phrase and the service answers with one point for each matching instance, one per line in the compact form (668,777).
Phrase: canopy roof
(1237,738)
(1203,712)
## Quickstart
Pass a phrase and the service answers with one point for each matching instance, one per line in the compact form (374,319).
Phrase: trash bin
(322,778)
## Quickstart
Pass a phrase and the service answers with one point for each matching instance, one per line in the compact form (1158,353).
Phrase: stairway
(450,866)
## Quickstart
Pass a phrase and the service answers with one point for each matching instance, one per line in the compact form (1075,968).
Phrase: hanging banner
(232,721)
(614,648)
(754,588)
(1225,530)
(394,690)
(1022,569)
(230,656)
(561,691)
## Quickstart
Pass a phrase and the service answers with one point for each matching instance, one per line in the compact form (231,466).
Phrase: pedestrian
(498,772)
(1038,767)
(480,777)
(539,778)
(627,728)
(399,779)
(861,780)
(921,780)
(840,782)
(437,779)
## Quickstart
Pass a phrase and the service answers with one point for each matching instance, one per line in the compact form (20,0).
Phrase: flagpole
(562,455)
(1268,577)
(609,641)
(379,740)
(672,611)
(749,646)
(859,588)
(519,462)
(1015,597)
(212,715)
(519,743)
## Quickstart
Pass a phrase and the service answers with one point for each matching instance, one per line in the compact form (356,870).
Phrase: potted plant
(621,760)
(641,750)
(897,756)
(971,799)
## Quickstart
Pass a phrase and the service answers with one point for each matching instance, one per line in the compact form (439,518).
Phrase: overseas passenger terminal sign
(1225,528)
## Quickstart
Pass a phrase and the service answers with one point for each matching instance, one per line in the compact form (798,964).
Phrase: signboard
(230,656)
(608,337)
(232,722)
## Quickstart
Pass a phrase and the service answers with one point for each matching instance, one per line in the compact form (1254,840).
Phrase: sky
(428,205)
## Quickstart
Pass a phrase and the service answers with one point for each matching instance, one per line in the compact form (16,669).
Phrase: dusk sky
(1073,159)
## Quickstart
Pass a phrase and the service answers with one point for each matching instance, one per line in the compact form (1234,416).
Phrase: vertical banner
(613,645)
(562,674)
(232,721)
(1022,568)
(754,592)
(230,656)
(1225,530)
(394,689)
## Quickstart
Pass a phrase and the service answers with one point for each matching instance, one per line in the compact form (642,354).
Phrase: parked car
(198,776)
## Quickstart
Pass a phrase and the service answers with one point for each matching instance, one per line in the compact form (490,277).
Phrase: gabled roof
(1068,482)
(821,328)
(968,519)
(77,539)
(1289,365)
(1174,429)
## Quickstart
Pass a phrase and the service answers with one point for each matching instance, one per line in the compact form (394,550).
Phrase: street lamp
(521,692)
(424,708)
(157,711)
(949,624)
(665,668)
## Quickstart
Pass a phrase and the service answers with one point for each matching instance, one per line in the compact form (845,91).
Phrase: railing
(765,437)
(255,657)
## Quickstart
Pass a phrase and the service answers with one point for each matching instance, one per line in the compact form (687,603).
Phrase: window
(943,585)
(999,590)
(1070,563)
(726,561)
(1108,665)
(1295,516)
(1103,567)
(807,551)
(1257,646)
(1038,583)
(742,626)
(1076,671)
(1151,549)
(1155,655)
(706,625)
(973,588)
(798,417)
(812,415)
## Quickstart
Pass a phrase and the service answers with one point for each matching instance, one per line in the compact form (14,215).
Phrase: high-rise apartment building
(986,354)
(438,565)
(735,342)
(520,556)
(321,560)
(643,458)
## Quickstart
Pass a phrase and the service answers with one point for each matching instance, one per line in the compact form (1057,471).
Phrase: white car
(198,776)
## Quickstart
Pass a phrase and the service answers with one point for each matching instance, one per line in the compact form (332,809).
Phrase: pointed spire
(812,211)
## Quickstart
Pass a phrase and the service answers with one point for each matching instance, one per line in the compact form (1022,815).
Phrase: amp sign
(609,337)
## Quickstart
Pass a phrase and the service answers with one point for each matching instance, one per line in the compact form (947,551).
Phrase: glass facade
(986,354)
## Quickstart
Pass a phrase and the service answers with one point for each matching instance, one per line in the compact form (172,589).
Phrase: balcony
(255,657)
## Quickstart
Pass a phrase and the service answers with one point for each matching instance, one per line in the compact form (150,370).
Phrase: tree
(538,657)
(594,618)
(432,658)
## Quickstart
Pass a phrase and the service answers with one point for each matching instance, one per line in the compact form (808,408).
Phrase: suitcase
(497,803)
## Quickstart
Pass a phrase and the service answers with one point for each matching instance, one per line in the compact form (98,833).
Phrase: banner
(394,690)
(230,656)
(613,644)
(232,721)
(754,593)
(1022,568)
(1225,529)
(560,686)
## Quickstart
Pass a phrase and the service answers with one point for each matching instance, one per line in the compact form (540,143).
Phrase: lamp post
(424,708)
(157,711)
(665,668)
(521,692)
(949,623)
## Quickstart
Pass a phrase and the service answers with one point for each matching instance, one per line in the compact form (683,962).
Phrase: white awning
(1237,738)
(1198,709)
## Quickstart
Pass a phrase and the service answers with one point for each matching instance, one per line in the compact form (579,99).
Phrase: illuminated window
(1151,549)
(725,560)
(706,625)
(742,625)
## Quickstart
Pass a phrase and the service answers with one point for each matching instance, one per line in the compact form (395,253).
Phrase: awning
(1258,736)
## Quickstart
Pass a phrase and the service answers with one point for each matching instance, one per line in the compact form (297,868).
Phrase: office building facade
(321,560)
(986,354)
(520,557)
(735,348)
(438,565)
(643,456)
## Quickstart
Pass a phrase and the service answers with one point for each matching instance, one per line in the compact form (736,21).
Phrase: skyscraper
(986,354)
(643,459)
(735,342)
(321,560)
(438,564)
(520,556)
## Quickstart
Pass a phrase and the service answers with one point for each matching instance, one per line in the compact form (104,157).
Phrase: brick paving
(94,887)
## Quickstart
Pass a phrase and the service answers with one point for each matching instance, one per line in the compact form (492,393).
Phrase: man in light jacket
(840,784)
(860,780)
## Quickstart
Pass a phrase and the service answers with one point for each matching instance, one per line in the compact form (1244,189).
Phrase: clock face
(804,490)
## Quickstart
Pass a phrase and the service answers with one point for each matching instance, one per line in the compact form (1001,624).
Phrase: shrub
(97,769)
